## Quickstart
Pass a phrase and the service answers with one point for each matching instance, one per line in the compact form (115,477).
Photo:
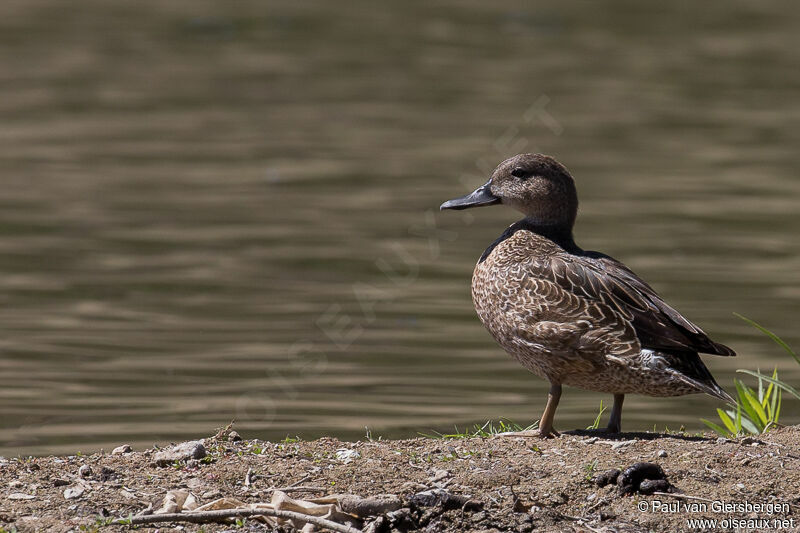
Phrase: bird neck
(558,232)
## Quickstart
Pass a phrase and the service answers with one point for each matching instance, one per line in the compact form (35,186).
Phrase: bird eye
(518,173)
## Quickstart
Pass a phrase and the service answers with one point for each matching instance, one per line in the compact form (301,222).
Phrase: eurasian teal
(576,317)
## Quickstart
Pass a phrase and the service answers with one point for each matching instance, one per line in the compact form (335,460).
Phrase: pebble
(119,450)
(85,471)
(740,486)
(662,453)
(73,492)
(184,451)
(412,486)
(439,475)
(234,437)
(194,483)
(211,494)
(20,496)
(591,440)
(15,484)
(347,456)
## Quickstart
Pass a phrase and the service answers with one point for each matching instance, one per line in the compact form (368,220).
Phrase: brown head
(535,184)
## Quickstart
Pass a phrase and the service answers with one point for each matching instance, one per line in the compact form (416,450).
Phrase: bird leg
(546,422)
(615,422)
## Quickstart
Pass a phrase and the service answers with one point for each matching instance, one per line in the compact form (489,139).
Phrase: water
(217,211)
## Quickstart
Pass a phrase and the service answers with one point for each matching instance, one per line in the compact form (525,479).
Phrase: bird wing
(607,283)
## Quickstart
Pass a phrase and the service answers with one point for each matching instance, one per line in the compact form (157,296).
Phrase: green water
(217,211)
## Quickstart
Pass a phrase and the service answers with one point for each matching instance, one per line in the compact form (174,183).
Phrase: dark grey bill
(480,196)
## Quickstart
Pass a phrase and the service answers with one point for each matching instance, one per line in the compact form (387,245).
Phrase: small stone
(15,484)
(127,494)
(412,486)
(234,437)
(591,497)
(185,451)
(591,440)
(211,494)
(722,440)
(194,483)
(20,496)
(347,456)
(439,475)
(740,486)
(73,492)
(85,471)
(119,450)
(662,453)
(750,441)
(58,482)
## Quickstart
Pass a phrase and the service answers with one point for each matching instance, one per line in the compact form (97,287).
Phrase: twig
(303,480)
(212,516)
(297,489)
(682,496)
(600,501)
(223,430)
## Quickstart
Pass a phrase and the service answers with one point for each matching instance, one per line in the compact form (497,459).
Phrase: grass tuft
(489,429)
(755,411)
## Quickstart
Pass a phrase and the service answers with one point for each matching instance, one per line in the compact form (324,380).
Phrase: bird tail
(689,368)
(716,391)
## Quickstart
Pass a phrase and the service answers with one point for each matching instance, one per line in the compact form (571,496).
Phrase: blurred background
(216,211)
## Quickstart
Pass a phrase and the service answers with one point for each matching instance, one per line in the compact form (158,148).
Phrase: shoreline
(478,484)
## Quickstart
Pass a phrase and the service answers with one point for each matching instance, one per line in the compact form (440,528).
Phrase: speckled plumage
(557,313)
(576,317)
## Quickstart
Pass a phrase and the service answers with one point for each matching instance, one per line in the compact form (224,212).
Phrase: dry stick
(211,516)
(297,489)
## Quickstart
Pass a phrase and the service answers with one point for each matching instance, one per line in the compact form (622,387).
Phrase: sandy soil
(509,483)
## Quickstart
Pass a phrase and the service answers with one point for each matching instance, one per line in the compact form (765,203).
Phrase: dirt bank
(471,484)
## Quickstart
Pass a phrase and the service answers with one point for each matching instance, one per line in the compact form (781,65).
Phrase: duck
(576,317)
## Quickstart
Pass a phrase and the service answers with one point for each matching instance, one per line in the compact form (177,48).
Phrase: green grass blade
(782,384)
(777,340)
(727,421)
(750,427)
(773,392)
(596,423)
(761,416)
(717,428)
(742,400)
